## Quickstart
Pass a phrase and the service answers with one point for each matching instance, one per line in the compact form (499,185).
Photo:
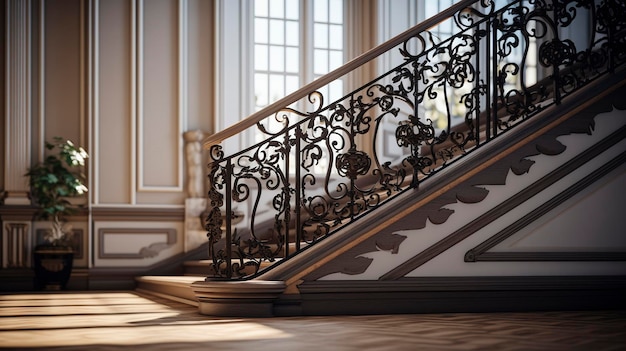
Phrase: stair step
(176,288)
(204,268)
(198,268)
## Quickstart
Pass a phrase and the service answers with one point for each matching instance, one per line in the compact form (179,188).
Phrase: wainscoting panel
(160,68)
(15,244)
(139,101)
(112,103)
(135,244)
(62,71)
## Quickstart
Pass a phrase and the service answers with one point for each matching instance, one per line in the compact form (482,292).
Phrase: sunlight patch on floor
(123,335)
(50,320)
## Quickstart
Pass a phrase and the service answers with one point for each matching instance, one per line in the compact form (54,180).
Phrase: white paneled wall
(112,148)
(133,244)
(160,92)
(140,66)
(145,94)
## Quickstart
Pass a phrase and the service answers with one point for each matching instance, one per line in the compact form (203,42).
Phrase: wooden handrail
(335,74)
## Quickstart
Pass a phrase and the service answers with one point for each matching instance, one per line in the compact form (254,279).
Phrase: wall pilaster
(18,101)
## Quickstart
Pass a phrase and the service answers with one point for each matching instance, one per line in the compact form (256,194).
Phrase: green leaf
(57,177)
(51,178)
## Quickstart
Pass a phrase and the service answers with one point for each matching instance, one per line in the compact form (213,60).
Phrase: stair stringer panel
(445,229)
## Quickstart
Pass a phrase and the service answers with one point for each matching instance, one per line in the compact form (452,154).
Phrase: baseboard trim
(455,294)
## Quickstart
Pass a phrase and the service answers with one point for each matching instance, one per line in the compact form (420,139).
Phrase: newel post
(238,298)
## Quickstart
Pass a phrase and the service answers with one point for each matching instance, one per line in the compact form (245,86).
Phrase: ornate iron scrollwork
(353,164)
(321,168)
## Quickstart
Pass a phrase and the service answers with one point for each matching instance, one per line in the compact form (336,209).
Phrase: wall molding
(125,213)
(42,78)
(137,88)
(18,100)
(93,100)
(91,112)
(15,244)
(82,75)
(136,59)
(183,77)
(151,250)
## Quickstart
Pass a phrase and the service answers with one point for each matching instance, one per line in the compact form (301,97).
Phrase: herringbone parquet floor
(99,321)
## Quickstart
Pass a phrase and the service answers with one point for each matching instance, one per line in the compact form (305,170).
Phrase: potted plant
(52,182)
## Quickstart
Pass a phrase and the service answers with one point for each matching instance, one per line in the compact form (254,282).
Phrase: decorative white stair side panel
(462,213)
(451,262)
(577,225)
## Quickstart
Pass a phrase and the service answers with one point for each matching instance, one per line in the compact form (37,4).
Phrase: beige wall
(62,80)
(125,79)
(2,88)
(153,67)
(111,80)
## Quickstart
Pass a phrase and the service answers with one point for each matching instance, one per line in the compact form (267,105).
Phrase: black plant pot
(53,266)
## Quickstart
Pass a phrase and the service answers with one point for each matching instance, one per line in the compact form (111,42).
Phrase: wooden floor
(131,321)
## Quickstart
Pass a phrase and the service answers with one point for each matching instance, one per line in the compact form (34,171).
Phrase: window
(276,50)
(435,109)
(266,49)
(294,43)
(448,100)
(328,43)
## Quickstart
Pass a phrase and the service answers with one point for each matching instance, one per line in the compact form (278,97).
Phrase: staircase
(453,218)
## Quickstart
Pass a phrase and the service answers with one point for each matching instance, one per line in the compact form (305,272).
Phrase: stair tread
(176,288)
(198,263)
(171,279)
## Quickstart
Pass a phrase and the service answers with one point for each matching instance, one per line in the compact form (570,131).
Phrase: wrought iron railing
(323,167)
